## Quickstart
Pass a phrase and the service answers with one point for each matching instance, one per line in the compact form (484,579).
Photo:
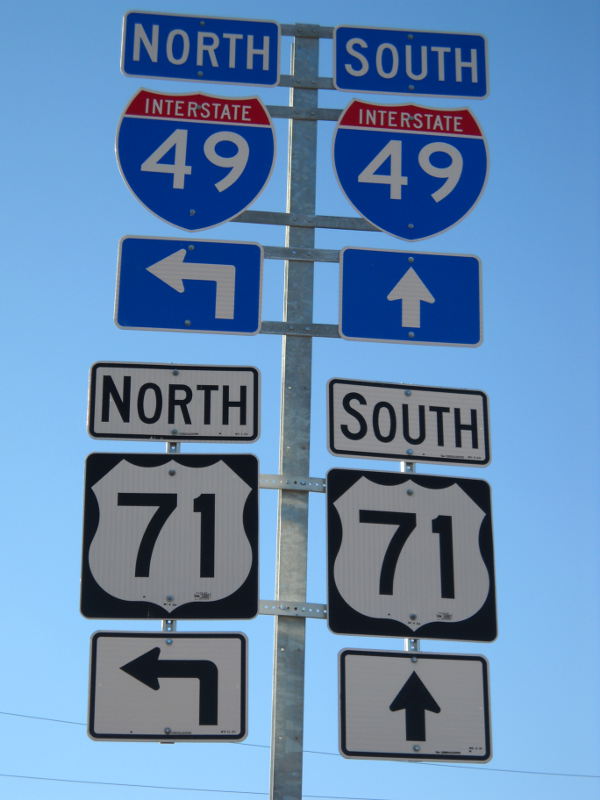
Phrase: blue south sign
(390,61)
(195,160)
(410,170)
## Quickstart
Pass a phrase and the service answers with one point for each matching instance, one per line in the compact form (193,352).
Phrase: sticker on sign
(173,402)
(405,422)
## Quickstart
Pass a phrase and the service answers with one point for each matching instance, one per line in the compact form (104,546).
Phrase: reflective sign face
(414,298)
(169,687)
(193,48)
(195,160)
(407,422)
(414,706)
(196,285)
(410,556)
(410,170)
(173,402)
(170,536)
(395,61)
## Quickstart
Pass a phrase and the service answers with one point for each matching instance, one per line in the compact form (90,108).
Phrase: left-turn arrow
(148,668)
(174,269)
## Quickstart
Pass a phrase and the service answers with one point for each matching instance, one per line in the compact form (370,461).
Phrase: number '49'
(394,178)
(180,169)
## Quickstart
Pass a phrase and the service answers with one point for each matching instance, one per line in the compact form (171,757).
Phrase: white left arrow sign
(173,270)
(412,291)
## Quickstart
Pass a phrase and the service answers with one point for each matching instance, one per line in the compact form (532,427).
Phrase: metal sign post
(154,48)
(294,444)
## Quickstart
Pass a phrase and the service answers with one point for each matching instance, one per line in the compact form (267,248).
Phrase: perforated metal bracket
(296,484)
(283,608)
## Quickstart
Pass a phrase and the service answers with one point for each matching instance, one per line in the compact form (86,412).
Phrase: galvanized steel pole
(294,447)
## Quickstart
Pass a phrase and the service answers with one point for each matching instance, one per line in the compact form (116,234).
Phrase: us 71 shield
(410,556)
(170,536)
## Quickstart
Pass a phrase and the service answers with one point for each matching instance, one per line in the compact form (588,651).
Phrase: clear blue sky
(536,232)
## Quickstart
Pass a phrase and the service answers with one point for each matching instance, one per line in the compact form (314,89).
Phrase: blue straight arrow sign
(416,298)
(183,285)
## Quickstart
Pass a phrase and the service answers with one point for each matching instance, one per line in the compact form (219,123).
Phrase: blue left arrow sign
(183,285)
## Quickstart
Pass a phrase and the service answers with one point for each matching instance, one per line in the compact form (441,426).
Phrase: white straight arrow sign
(412,291)
(173,270)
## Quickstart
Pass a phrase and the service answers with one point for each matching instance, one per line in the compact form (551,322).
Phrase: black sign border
(343,619)
(168,737)
(171,437)
(404,456)
(96,603)
(415,755)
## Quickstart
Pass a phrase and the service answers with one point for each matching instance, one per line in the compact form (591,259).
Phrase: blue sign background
(199,204)
(416,215)
(391,76)
(143,301)
(167,52)
(368,276)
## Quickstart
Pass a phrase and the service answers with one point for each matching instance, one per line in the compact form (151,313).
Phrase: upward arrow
(173,270)
(147,669)
(416,699)
(412,291)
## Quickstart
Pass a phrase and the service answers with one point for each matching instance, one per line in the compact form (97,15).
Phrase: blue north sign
(200,48)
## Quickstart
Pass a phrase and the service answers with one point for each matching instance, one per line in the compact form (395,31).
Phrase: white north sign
(172,402)
(408,423)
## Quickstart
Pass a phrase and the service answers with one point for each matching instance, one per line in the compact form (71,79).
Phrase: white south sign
(410,556)
(406,422)
(170,536)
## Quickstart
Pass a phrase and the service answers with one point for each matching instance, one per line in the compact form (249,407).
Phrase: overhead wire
(266,747)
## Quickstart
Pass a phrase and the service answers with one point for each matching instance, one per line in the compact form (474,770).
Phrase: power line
(308,752)
(222,791)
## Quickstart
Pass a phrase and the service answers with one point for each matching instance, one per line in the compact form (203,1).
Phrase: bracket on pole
(296,484)
(284,608)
